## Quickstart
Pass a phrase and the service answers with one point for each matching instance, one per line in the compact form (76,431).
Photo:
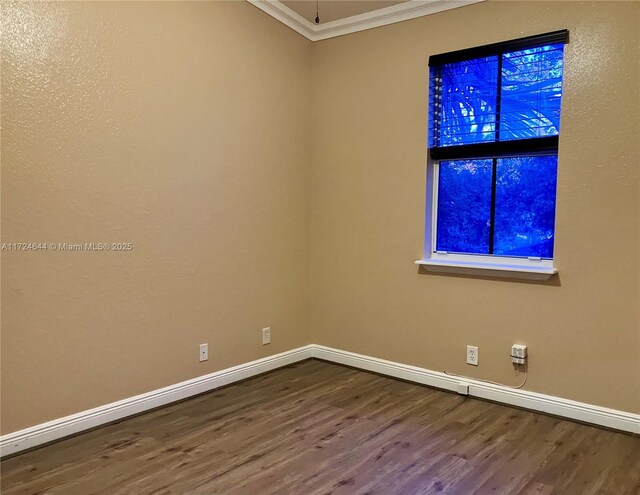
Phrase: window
(494,125)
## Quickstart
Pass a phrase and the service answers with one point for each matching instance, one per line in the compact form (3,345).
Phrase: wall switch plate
(204,352)
(472,355)
(266,336)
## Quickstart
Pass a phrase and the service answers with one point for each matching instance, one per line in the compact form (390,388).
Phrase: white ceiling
(332,10)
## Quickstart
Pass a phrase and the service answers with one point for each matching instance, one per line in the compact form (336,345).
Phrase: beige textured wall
(368,198)
(183,128)
(186,129)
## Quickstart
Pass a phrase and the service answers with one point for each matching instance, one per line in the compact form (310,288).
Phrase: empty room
(320,247)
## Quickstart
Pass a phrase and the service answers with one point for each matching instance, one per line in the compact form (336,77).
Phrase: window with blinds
(494,126)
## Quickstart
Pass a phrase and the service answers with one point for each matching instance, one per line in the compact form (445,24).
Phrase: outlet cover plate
(472,355)
(266,336)
(204,352)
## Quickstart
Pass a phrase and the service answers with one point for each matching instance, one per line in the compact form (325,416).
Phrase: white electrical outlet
(519,354)
(472,355)
(266,336)
(204,352)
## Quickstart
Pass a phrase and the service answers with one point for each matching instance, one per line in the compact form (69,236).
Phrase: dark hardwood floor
(319,428)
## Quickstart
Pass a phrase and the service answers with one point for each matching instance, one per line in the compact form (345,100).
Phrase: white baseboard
(557,406)
(76,423)
(85,420)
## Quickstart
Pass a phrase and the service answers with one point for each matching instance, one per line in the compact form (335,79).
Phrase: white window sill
(488,269)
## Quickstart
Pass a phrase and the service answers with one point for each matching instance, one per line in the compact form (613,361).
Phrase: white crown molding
(285,15)
(369,20)
(382,17)
(41,434)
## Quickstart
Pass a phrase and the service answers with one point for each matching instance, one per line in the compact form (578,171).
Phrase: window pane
(525,206)
(464,206)
(463,102)
(531,93)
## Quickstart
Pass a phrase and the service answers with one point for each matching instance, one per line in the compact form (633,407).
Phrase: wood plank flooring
(317,428)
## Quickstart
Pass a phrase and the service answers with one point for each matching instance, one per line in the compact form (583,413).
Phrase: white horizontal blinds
(467,99)
(482,98)
(531,92)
